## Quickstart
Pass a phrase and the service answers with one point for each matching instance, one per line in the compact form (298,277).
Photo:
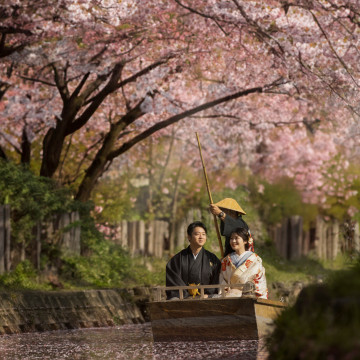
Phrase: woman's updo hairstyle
(246,236)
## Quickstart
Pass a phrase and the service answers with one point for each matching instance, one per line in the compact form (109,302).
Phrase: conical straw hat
(230,204)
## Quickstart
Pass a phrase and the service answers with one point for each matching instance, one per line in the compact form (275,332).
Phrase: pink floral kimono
(237,269)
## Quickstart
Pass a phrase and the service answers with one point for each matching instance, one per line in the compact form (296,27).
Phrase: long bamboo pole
(210,198)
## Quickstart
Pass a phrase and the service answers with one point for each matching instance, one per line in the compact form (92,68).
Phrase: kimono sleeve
(225,273)
(257,276)
(173,276)
(215,272)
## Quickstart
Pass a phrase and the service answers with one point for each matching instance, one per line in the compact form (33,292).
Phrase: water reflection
(123,342)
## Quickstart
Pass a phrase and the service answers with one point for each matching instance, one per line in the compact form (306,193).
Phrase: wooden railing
(160,290)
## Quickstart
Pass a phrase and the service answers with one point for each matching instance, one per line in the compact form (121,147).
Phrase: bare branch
(259,31)
(60,84)
(80,86)
(332,47)
(173,119)
(98,99)
(213,18)
(37,80)
(14,30)
(145,70)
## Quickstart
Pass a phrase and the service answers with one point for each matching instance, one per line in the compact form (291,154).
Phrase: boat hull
(212,319)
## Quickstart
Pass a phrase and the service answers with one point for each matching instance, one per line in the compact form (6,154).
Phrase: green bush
(109,266)
(24,276)
(324,323)
(32,199)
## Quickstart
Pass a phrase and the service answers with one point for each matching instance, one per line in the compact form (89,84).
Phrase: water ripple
(123,342)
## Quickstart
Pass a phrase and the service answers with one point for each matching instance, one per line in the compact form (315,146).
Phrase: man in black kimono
(230,213)
(193,265)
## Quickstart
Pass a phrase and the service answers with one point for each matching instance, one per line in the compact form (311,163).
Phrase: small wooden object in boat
(221,318)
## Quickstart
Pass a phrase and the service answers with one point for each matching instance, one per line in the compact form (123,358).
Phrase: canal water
(122,342)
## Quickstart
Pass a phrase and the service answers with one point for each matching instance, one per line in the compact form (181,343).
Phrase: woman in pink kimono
(243,266)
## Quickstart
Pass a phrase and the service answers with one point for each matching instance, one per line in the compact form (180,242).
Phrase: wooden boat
(221,318)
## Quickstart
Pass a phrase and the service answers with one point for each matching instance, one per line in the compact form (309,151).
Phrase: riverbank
(35,311)
(23,311)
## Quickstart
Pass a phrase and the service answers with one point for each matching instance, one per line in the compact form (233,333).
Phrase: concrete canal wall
(29,311)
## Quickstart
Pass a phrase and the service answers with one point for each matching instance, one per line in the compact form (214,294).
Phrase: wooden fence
(63,230)
(326,239)
(139,238)
(154,237)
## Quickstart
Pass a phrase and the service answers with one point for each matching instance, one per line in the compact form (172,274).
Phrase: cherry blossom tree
(114,70)
(269,84)
(314,45)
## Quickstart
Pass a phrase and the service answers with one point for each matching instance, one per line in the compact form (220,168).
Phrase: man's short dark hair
(195,224)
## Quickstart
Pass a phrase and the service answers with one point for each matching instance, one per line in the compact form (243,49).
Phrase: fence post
(2,239)
(132,236)
(181,235)
(141,237)
(5,230)
(305,242)
(296,236)
(38,245)
(124,234)
(356,238)
(7,258)
(150,233)
(334,243)
(284,246)
(75,233)
(319,237)
(70,238)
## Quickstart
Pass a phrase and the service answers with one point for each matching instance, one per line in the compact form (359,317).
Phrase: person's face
(231,213)
(198,237)
(237,243)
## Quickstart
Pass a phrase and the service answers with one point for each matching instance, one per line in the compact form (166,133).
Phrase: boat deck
(222,318)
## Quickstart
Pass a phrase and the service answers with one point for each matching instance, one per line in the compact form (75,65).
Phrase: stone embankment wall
(29,311)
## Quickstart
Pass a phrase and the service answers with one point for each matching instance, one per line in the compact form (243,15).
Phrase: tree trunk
(2,154)
(101,159)
(25,148)
(52,147)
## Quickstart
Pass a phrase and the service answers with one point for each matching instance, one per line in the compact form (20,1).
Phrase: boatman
(193,265)
(230,213)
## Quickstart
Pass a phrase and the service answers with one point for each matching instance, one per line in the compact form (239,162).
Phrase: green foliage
(24,276)
(104,264)
(114,196)
(280,200)
(32,198)
(338,203)
(108,266)
(324,323)
(304,269)
(148,271)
